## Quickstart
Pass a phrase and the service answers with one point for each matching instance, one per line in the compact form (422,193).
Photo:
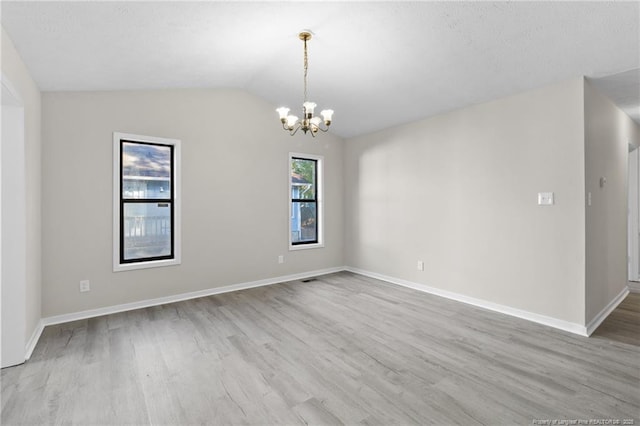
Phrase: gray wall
(608,133)
(16,71)
(234,194)
(459,192)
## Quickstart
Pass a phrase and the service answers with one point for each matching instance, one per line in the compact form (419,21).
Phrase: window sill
(305,246)
(145,265)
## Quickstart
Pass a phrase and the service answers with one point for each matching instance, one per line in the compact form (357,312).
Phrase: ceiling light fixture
(309,122)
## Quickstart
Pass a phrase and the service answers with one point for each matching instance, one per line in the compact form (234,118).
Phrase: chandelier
(309,122)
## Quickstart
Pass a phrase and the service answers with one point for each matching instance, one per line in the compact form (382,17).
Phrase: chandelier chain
(306,68)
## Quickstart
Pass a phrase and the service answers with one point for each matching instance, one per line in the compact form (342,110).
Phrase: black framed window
(304,201)
(147,201)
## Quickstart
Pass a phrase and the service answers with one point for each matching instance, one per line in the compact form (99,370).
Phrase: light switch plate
(545,198)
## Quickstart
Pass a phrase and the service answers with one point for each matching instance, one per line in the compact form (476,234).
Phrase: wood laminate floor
(343,349)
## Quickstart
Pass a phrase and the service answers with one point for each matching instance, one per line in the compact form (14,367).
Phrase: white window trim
(177,193)
(319,200)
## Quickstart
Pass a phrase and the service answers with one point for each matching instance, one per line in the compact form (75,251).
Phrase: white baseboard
(529,316)
(597,320)
(33,340)
(59,319)
(633,286)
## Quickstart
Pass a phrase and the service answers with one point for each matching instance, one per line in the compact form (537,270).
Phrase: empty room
(322,213)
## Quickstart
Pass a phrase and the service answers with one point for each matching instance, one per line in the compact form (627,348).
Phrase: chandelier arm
(295,129)
(319,127)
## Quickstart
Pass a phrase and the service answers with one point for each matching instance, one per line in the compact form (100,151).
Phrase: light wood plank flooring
(343,349)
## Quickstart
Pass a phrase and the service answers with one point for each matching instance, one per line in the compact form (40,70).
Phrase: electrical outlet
(545,198)
(420,265)
(281,259)
(85,286)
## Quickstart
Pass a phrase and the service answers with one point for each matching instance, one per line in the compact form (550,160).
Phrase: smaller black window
(147,201)
(304,201)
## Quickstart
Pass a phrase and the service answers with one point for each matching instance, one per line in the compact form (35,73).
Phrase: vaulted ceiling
(377,64)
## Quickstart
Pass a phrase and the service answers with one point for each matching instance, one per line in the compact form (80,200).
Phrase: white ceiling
(377,64)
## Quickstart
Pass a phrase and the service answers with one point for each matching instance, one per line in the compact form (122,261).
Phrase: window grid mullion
(147,200)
